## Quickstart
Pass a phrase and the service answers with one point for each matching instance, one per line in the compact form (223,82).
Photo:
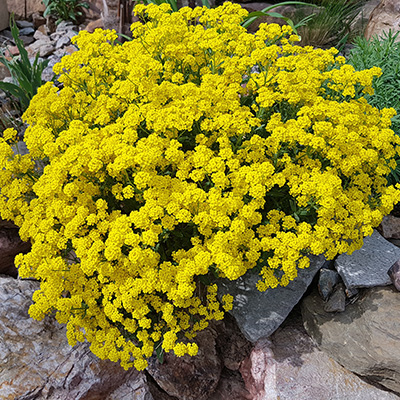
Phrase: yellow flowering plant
(193,153)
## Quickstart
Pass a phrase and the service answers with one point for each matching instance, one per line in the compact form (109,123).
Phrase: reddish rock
(232,346)
(230,387)
(10,246)
(12,51)
(385,17)
(38,20)
(289,366)
(189,378)
(3,15)
(93,25)
(394,274)
(364,338)
(4,71)
(24,9)
(390,226)
(42,29)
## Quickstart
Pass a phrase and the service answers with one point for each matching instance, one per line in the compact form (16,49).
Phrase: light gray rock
(38,35)
(62,42)
(36,361)
(368,266)
(43,47)
(66,25)
(365,338)
(46,50)
(259,314)
(290,366)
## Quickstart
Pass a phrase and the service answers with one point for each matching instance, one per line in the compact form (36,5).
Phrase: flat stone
(39,35)
(364,338)
(27,40)
(290,366)
(259,314)
(27,31)
(232,346)
(24,24)
(368,266)
(46,50)
(20,148)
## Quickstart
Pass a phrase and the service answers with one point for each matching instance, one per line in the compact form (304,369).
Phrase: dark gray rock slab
(337,301)
(365,338)
(259,314)
(368,266)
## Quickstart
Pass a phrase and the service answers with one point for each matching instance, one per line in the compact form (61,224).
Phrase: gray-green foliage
(382,52)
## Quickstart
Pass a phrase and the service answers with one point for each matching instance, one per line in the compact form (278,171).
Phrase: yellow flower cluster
(194,152)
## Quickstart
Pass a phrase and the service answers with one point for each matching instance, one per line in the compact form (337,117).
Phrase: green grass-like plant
(65,10)
(27,76)
(330,25)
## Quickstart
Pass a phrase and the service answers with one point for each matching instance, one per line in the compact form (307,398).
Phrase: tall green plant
(65,10)
(331,23)
(382,52)
(27,76)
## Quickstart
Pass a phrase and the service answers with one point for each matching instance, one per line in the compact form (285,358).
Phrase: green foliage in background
(253,16)
(65,10)
(382,52)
